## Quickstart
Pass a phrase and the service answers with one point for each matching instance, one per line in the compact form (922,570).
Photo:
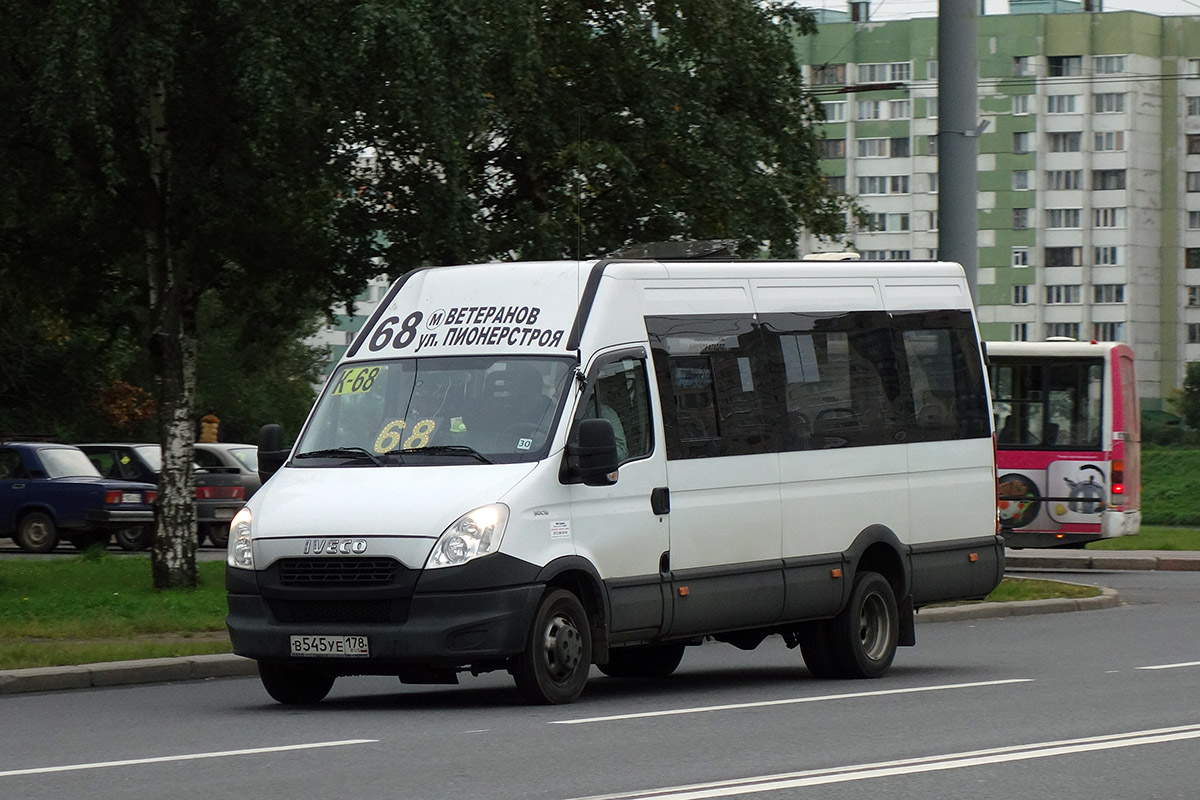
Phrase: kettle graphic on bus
(1079,488)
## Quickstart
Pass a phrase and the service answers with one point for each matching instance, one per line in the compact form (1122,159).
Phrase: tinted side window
(945,386)
(10,464)
(620,393)
(712,379)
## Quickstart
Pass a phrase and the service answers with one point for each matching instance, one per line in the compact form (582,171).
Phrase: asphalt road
(1094,704)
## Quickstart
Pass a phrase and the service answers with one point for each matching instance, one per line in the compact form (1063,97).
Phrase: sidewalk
(161,670)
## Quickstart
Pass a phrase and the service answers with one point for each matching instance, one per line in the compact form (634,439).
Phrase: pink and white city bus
(1068,441)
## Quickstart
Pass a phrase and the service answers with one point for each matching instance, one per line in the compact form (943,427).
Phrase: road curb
(124,673)
(1108,598)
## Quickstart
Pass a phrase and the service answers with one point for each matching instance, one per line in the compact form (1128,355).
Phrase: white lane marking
(789,701)
(910,766)
(1173,666)
(182,757)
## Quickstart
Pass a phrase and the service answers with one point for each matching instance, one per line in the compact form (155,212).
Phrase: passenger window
(620,394)
(10,464)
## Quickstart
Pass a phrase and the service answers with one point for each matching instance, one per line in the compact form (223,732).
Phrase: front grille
(338,571)
(339,611)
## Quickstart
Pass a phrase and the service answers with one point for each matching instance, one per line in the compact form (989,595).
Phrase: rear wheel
(36,532)
(294,686)
(139,538)
(218,534)
(655,661)
(865,633)
(558,651)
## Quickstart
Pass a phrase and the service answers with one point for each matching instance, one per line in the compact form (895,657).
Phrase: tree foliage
(185,183)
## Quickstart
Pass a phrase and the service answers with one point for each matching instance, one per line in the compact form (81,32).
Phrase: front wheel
(37,533)
(558,651)
(138,538)
(864,635)
(294,686)
(654,661)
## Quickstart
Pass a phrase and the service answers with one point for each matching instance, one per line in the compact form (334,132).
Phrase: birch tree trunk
(173,357)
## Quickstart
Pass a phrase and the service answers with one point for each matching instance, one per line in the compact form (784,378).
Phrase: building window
(933,182)
(1020,256)
(1191,258)
(1023,142)
(931,70)
(835,111)
(1109,293)
(832,148)
(1193,68)
(1020,332)
(898,184)
(1022,180)
(1062,294)
(1104,179)
(931,145)
(900,109)
(1061,103)
(899,147)
(1192,179)
(1193,106)
(1063,256)
(1065,142)
(836,183)
(1193,332)
(1020,219)
(1109,140)
(1193,296)
(897,222)
(1194,220)
(829,74)
(870,109)
(1064,179)
(1108,102)
(933,221)
(1020,105)
(1069,330)
(1108,331)
(1106,65)
(1106,256)
(1065,66)
(883,73)
(1108,217)
(877,222)
(1020,295)
(872,184)
(872,148)
(1022,65)
(931,107)
(1063,217)
(899,255)
(1193,144)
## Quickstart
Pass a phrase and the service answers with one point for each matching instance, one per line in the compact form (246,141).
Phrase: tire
(558,651)
(816,645)
(654,661)
(217,534)
(294,686)
(90,539)
(865,634)
(36,532)
(139,538)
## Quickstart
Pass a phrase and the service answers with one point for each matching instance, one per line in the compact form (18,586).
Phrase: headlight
(240,551)
(474,534)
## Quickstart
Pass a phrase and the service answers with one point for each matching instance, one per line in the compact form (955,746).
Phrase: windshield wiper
(445,449)
(342,452)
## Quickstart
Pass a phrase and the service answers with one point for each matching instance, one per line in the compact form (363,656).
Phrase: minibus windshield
(454,410)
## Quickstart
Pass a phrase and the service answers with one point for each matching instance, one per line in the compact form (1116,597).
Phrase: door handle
(660,500)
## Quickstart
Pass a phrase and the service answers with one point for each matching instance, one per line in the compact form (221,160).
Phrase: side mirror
(594,454)
(271,454)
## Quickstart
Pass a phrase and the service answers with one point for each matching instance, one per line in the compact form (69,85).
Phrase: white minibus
(544,467)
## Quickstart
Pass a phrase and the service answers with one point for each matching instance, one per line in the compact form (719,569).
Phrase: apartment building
(1089,167)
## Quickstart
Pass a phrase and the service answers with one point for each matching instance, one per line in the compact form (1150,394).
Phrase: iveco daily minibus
(541,467)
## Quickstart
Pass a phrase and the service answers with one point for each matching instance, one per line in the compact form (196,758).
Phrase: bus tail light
(1118,481)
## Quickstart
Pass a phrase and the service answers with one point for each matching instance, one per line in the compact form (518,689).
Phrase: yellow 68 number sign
(392,433)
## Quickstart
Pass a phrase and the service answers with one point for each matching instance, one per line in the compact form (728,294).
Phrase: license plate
(131,497)
(223,513)
(348,646)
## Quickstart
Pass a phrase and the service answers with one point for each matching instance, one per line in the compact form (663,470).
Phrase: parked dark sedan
(48,490)
(219,495)
(233,459)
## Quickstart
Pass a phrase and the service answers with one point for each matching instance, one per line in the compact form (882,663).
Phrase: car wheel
(865,633)
(37,533)
(90,539)
(655,661)
(139,538)
(558,651)
(217,534)
(294,686)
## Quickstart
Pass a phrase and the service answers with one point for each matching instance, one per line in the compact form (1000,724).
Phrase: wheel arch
(580,577)
(877,548)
